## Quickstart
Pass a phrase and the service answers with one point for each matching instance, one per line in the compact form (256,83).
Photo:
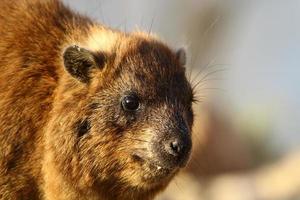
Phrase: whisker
(208,74)
(203,34)
(205,81)
(198,99)
(209,67)
(189,74)
(150,28)
(220,89)
(212,25)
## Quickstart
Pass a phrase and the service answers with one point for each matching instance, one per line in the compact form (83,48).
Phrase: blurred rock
(218,148)
(277,181)
(280,180)
(183,187)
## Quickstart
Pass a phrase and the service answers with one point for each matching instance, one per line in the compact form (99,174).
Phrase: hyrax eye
(130,102)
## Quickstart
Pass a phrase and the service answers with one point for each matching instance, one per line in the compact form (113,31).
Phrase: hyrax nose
(174,147)
(178,149)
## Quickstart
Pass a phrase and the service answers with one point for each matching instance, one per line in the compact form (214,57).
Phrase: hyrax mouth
(153,170)
(152,165)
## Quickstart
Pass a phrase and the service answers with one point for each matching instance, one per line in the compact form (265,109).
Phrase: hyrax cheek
(142,145)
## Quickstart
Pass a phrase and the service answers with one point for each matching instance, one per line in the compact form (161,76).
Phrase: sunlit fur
(41,104)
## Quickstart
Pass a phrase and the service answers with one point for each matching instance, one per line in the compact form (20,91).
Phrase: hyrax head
(134,126)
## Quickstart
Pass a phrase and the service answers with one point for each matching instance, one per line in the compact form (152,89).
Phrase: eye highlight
(130,102)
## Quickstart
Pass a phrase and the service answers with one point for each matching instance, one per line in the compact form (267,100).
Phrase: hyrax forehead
(152,68)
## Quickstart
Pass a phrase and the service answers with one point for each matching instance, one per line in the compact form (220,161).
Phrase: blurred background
(244,59)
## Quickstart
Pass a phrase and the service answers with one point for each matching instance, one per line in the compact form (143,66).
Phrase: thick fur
(65,138)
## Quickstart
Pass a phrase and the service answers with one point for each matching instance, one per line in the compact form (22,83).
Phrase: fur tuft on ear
(79,61)
(181,56)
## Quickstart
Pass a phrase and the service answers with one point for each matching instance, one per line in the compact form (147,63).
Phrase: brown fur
(41,105)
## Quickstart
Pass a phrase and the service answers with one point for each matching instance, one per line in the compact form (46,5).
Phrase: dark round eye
(130,103)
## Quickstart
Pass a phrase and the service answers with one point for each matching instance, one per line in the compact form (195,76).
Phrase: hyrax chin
(87,112)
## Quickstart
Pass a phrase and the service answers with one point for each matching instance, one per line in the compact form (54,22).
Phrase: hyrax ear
(181,56)
(79,61)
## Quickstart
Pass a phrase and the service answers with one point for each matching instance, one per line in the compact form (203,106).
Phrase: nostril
(175,151)
(175,147)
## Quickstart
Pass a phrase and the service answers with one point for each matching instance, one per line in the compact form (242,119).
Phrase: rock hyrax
(87,112)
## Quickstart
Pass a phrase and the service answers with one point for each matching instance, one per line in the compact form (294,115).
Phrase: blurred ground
(277,181)
(244,63)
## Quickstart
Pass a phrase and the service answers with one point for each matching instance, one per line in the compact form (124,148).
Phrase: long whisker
(208,67)
(150,28)
(203,34)
(208,74)
(212,88)
(212,25)
(198,99)
(205,81)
